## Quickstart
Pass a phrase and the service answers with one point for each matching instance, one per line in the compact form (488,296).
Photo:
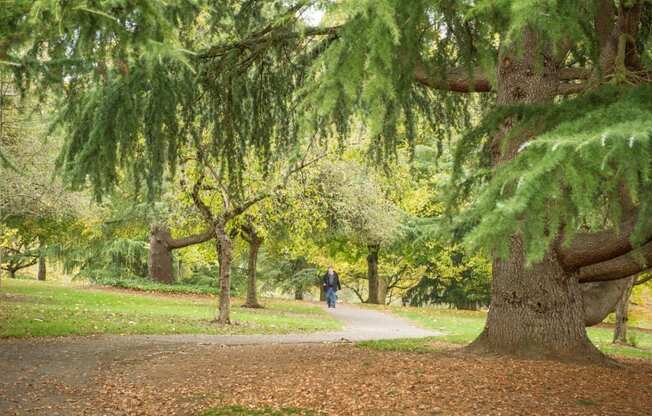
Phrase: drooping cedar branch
(459,80)
(619,267)
(266,37)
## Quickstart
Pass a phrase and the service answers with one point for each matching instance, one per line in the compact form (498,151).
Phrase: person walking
(331,283)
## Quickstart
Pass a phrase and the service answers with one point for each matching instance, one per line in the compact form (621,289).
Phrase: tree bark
(600,299)
(622,309)
(252,297)
(375,295)
(298,293)
(159,261)
(225,252)
(536,310)
(161,245)
(12,273)
(41,267)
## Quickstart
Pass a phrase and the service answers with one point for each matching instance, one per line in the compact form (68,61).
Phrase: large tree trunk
(41,267)
(298,293)
(536,310)
(622,309)
(12,273)
(252,297)
(225,252)
(159,261)
(375,295)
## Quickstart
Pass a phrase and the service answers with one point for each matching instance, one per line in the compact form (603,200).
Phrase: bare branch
(568,88)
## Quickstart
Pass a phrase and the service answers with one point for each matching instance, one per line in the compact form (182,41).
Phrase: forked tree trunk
(252,296)
(41,268)
(535,311)
(159,261)
(225,252)
(375,295)
(298,293)
(622,310)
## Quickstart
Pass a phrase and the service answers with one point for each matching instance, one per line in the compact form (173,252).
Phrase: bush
(151,286)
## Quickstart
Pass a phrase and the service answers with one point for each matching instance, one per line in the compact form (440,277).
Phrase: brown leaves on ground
(348,380)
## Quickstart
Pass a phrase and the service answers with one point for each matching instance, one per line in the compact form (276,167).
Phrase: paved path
(359,325)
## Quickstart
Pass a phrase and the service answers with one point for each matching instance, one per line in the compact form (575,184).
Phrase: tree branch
(568,88)
(589,248)
(620,267)
(267,36)
(643,280)
(456,80)
(574,73)
(190,240)
(201,206)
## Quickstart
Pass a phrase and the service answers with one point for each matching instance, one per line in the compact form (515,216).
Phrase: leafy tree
(561,162)
(358,213)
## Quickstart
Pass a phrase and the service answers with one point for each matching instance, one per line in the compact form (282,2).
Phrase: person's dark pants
(331,297)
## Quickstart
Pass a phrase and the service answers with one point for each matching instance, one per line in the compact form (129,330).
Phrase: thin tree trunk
(536,310)
(322,293)
(225,251)
(298,293)
(41,267)
(622,310)
(372,275)
(252,297)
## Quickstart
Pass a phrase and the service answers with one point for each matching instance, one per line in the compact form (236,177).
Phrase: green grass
(32,308)
(243,411)
(462,327)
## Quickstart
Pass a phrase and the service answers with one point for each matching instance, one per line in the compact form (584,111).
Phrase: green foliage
(570,175)
(105,258)
(368,72)
(452,278)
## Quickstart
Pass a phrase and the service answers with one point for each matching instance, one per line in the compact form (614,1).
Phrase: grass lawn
(461,327)
(33,308)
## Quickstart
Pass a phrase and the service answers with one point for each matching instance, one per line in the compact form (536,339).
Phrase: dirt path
(35,372)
